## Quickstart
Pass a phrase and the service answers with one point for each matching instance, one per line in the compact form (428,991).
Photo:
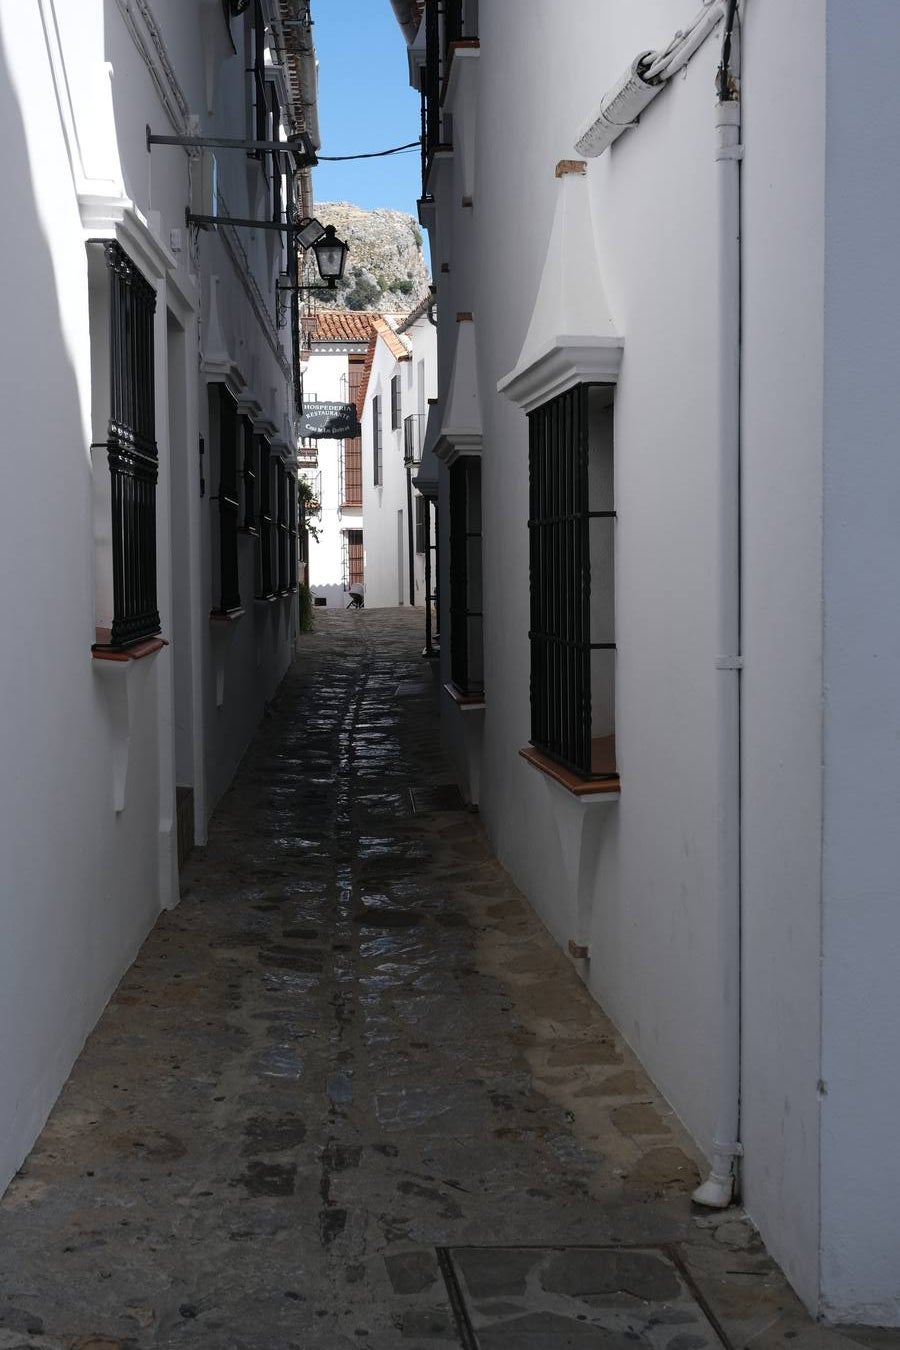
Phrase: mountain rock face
(385,268)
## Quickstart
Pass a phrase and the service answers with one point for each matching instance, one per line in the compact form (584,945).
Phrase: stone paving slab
(540,1298)
(353,1047)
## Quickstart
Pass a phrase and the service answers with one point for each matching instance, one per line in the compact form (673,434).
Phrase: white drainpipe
(721,1185)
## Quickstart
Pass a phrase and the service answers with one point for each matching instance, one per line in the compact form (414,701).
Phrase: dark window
(294,530)
(376,440)
(421,523)
(248,470)
(276,158)
(260,90)
(284,539)
(466,650)
(225,428)
(353,558)
(395,402)
(130,439)
(351,487)
(266,570)
(571,536)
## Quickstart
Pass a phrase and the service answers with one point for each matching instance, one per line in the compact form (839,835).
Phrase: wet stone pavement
(351,1094)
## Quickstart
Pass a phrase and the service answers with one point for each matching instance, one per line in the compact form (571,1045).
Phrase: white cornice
(564,362)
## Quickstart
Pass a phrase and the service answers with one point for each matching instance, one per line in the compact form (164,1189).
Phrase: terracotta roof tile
(397,348)
(343,325)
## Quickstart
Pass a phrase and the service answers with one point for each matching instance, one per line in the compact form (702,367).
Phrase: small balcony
(413,434)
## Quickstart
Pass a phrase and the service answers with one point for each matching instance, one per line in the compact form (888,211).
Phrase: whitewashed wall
(386,506)
(82,880)
(861,863)
(636,878)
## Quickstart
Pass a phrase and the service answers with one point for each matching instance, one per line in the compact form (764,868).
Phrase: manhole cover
(445,797)
(566,1298)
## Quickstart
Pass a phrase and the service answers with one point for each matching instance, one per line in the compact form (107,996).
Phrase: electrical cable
(373,154)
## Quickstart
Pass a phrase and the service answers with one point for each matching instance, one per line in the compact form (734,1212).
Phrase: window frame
(466,602)
(227,427)
(395,402)
(560,633)
(125,346)
(377,443)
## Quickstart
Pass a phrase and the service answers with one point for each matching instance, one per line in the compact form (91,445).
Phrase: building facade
(401,379)
(150,529)
(667,294)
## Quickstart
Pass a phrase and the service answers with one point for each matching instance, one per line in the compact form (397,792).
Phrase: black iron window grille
(421,523)
(130,444)
(376,441)
(225,426)
(265,570)
(283,527)
(248,473)
(466,644)
(571,538)
(353,572)
(395,402)
(294,530)
(260,90)
(413,432)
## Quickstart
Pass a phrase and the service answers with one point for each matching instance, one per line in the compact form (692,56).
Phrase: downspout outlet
(718,1190)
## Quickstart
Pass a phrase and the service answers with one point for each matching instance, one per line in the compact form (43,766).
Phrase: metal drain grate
(444,797)
(575,1298)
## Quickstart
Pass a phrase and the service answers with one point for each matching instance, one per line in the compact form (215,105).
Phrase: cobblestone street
(351,1094)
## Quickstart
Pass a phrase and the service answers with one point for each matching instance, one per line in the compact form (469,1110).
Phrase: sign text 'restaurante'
(329,421)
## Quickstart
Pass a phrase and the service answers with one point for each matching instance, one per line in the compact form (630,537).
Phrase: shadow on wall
(47,967)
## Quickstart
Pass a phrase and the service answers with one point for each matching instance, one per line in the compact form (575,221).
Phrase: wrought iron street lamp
(331,256)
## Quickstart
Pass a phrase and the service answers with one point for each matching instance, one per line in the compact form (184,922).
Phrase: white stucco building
(665,434)
(149,526)
(402,376)
(370,530)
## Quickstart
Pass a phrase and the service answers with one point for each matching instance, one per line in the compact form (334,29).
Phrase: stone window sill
(102,651)
(603,761)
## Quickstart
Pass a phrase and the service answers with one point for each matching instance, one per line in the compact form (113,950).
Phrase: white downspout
(721,1185)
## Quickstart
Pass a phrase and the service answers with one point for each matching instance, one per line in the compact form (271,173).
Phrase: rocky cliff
(385,267)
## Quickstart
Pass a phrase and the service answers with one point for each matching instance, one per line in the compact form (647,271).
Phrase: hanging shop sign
(329,421)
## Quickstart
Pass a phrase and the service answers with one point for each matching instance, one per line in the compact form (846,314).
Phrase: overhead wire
(373,154)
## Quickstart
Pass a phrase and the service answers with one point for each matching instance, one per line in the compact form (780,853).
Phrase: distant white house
(150,520)
(402,376)
(370,526)
(664,237)
(334,372)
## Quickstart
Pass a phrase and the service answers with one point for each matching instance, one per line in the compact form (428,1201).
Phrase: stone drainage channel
(351,1094)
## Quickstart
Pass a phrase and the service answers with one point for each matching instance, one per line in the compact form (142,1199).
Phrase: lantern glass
(331,255)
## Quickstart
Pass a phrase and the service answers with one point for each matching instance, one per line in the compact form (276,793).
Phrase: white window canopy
(461,432)
(572,338)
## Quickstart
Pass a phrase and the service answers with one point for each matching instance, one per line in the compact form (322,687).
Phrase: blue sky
(365,103)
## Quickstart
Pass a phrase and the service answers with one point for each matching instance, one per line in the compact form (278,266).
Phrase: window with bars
(351,487)
(466,643)
(293,530)
(123,304)
(395,402)
(377,466)
(267,530)
(225,435)
(248,474)
(421,523)
(283,527)
(353,558)
(572,559)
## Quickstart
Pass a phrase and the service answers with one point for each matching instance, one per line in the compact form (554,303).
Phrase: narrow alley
(351,1093)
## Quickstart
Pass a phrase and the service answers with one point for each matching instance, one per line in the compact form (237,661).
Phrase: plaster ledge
(123,674)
